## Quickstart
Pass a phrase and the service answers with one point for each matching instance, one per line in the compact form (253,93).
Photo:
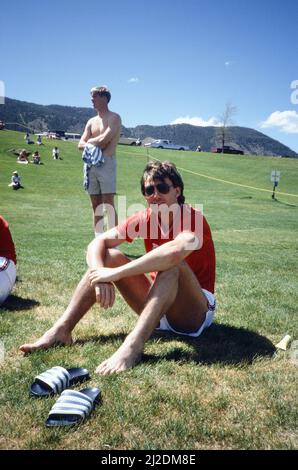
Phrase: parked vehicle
(227,149)
(56,134)
(166,144)
(72,136)
(128,140)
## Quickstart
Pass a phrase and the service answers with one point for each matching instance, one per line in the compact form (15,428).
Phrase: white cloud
(227,63)
(197,121)
(286,121)
(133,80)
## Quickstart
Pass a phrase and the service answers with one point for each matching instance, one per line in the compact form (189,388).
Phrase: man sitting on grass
(179,256)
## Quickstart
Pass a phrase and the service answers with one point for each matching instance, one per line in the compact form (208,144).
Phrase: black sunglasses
(162,188)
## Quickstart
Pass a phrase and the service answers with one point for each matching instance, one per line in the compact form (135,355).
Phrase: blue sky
(163,61)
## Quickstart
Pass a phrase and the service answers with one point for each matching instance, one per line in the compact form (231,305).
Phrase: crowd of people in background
(7,248)
(23,158)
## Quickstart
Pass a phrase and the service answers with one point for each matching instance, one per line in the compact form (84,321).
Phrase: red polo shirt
(146,224)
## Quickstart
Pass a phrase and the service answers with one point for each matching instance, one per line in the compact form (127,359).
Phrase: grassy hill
(230,388)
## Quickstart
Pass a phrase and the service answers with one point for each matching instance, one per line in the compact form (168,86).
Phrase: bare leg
(82,300)
(188,311)
(98,202)
(134,289)
(161,296)
(167,295)
(108,200)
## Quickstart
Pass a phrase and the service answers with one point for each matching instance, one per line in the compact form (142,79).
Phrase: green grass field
(228,389)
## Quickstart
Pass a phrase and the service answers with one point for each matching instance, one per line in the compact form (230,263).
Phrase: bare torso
(99,125)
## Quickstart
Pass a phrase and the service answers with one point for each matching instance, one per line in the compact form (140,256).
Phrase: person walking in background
(56,153)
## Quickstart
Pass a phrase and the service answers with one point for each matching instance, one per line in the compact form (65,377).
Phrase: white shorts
(8,274)
(165,326)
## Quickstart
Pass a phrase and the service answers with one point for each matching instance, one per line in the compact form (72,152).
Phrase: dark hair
(160,171)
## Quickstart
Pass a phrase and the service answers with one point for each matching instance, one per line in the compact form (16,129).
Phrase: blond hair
(103,91)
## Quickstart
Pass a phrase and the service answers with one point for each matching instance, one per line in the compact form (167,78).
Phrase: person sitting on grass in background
(36,157)
(15,181)
(180,257)
(23,157)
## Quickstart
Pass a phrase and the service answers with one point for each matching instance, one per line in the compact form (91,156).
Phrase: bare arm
(86,135)
(96,251)
(162,258)
(105,138)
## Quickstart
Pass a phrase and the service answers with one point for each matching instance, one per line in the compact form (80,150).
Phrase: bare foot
(51,337)
(125,357)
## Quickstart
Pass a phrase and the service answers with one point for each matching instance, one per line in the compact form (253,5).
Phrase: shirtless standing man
(103,131)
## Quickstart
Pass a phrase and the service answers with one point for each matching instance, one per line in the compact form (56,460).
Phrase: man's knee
(171,274)
(114,258)
(182,266)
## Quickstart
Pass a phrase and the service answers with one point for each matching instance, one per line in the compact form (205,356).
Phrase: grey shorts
(102,179)
(165,326)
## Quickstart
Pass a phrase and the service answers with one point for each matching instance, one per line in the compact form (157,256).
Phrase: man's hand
(103,275)
(105,294)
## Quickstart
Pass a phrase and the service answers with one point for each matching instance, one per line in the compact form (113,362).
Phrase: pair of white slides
(72,407)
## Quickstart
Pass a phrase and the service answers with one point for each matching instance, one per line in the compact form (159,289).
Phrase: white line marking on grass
(223,181)
(236,184)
